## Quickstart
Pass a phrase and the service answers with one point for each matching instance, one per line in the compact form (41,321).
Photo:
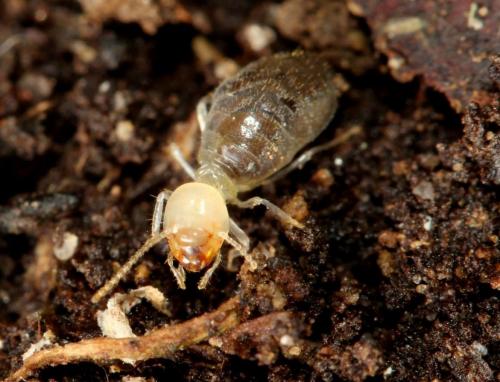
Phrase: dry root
(159,343)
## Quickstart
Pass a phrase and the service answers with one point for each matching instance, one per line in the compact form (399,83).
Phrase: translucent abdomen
(258,120)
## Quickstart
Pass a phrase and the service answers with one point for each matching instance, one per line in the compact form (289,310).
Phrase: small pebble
(124,130)
(258,37)
(424,190)
(286,340)
(428,223)
(67,248)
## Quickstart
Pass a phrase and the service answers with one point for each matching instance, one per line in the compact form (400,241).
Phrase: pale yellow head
(196,220)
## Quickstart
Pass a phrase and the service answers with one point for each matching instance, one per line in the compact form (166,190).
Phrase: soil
(396,275)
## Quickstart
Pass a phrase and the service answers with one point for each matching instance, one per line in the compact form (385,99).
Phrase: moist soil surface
(395,276)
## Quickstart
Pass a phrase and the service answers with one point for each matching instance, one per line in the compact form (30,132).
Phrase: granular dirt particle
(395,276)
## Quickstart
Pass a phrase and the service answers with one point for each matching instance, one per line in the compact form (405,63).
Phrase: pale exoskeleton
(252,127)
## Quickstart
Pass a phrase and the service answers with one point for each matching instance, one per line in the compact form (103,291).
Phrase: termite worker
(252,126)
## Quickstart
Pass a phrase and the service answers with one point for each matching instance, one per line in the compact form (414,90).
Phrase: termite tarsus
(252,126)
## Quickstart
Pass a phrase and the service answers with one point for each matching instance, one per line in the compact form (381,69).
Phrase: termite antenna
(125,268)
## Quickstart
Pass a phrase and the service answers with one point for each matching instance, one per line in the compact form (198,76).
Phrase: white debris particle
(4,296)
(396,62)
(428,223)
(421,288)
(355,8)
(124,130)
(1,344)
(295,351)
(416,279)
(46,340)
(480,348)
(216,342)
(483,11)
(113,321)
(457,167)
(67,248)
(286,340)
(84,52)
(258,36)
(472,21)
(35,204)
(388,372)
(120,102)
(403,26)
(338,161)
(225,68)
(128,378)
(38,84)
(424,190)
(104,87)
(208,54)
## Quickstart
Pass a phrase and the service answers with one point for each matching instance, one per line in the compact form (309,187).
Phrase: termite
(252,126)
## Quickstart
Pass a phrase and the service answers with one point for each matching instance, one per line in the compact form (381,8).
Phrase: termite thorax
(214,175)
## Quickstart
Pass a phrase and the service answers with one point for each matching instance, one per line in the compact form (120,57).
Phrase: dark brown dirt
(449,44)
(397,274)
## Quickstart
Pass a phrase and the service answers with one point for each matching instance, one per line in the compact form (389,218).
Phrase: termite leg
(208,274)
(178,272)
(201,115)
(303,158)
(176,153)
(202,111)
(232,255)
(161,201)
(244,241)
(273,209)
(240,248)
(125,268)
(239,235)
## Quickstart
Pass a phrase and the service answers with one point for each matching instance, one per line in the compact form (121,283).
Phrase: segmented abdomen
(259,119)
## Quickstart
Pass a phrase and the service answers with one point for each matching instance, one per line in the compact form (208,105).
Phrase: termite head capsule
(197,220)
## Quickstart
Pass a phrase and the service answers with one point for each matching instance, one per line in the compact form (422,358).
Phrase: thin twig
(159,343)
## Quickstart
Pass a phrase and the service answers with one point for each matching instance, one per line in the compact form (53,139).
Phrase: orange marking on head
(194,257)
